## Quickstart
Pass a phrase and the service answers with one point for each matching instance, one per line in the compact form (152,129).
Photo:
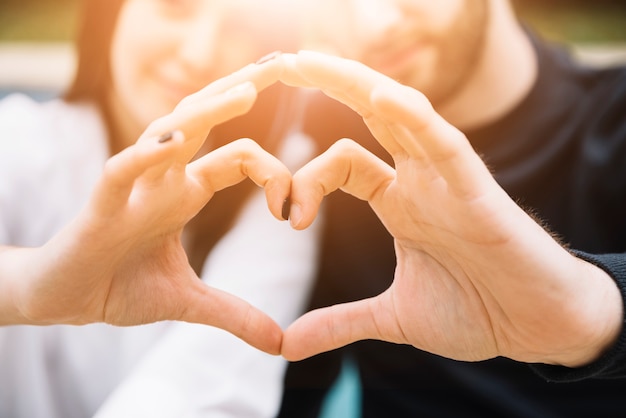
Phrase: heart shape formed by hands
(458,289)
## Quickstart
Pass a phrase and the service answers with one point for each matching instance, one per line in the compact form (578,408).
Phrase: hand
(121,260)
(476,276)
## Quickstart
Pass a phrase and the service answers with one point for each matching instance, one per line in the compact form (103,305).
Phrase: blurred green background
(38,20)
(580,21)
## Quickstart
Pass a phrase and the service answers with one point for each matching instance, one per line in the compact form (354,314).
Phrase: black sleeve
(611,364)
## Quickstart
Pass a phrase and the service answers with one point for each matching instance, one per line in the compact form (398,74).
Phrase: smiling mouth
(397,53)
(394,61)
(176,91)
(175,88)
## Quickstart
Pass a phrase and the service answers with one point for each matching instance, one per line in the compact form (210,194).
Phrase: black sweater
(561,153)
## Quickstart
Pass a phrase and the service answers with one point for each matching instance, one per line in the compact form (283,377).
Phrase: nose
(199,46)
(377,17)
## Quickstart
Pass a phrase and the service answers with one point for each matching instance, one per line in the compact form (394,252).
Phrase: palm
(433,290)
(446,278)
(148,257)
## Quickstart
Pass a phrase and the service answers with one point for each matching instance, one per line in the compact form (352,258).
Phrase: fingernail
(286,209)
(268,57)
(166,137)
(295,215)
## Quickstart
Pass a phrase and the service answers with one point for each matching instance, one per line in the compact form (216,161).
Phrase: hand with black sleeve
(476,276)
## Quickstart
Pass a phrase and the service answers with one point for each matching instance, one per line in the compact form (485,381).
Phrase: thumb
(329,328)
(223,310)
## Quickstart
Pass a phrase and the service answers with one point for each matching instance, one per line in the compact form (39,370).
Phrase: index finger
(347,81)
(446,147)
(241,159)
(345,165)
(262,74)
(197,121)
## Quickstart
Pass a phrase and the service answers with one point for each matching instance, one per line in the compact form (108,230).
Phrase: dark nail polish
(166,137)
(286,209)
(268,57)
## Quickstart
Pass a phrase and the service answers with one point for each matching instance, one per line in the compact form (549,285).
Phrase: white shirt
(50,156)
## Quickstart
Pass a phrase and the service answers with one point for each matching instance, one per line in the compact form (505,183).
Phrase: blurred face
(430,45)
(164,50)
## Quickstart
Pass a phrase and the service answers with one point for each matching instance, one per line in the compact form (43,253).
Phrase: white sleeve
(196,370)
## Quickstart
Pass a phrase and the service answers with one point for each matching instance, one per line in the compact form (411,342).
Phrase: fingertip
(266,336)
(305,200)
(293,212)
(295,216)
(292,347)
(277,194)
(292,356)
(310,335)
(217,308)
(133,161)
(290,74)
(289,59)
(271,340)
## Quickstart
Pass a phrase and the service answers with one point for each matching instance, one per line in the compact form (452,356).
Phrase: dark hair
(97,21)
(96,24)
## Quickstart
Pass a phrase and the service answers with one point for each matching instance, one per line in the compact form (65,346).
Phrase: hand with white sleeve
(121,260)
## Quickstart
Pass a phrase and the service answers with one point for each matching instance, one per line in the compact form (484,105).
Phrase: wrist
(9,265)
(599,317)
(15,269)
